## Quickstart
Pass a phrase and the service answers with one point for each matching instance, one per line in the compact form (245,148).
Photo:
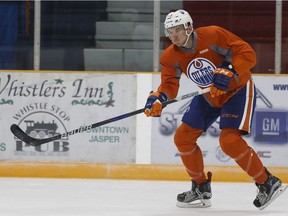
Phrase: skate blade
(201,204)
(278,192)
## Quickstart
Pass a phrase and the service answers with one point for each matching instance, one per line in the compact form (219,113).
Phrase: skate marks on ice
(83,197)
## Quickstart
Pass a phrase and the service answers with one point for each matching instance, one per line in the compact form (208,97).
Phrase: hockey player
(214,58)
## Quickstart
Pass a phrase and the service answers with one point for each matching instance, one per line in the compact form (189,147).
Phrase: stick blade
(20,134)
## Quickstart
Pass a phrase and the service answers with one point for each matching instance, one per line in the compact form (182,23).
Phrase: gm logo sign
(270,126)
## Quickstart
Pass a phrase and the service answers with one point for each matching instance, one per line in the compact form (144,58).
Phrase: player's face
(177,35)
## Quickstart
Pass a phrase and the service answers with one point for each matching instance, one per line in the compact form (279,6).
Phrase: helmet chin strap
(188,36)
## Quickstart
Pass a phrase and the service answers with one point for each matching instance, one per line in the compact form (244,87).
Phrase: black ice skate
(198,197)
(268,191)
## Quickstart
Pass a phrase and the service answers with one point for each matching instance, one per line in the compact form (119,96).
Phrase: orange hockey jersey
(212,45)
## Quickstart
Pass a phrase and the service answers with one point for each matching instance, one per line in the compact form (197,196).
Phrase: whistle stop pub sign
(270,126)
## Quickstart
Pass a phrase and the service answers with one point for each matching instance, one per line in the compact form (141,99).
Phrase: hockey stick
(19,133)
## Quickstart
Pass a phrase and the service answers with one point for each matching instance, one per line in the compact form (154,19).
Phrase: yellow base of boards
(125,171)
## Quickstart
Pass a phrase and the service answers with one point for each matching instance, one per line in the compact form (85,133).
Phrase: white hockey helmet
(179,17)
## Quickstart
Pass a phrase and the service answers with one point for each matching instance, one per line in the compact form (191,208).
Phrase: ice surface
(75,197)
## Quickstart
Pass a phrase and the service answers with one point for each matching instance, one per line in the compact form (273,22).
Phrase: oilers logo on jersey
(200,71)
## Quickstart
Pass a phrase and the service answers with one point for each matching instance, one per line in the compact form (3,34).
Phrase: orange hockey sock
(185,139)
(236,147)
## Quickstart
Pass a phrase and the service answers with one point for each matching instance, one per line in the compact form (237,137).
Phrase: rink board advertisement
(269,128)
(48,104)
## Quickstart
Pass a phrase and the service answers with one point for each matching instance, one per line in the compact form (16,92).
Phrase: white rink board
(272,147)
(43,101)
(71,100)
